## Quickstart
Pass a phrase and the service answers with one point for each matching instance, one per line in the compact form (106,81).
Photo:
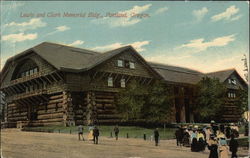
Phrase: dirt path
(17,144)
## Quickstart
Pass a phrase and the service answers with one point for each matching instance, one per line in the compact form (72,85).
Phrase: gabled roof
(221,75)
(225,74)
(177,74)
(66,58)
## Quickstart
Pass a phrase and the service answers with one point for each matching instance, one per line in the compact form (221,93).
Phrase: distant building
(52,84)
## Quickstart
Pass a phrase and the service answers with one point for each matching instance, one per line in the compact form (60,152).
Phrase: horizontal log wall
(105,108)
(231,112)
(51,113)
(16,113)
(48,113)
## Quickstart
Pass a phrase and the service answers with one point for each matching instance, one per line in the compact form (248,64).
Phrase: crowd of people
(213,137)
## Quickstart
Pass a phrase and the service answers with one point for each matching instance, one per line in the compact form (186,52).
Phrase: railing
(26,78)
(28,94)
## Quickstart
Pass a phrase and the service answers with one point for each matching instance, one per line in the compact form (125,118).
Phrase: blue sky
(206,36)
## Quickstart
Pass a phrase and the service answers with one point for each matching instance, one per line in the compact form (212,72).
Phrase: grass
(132,131)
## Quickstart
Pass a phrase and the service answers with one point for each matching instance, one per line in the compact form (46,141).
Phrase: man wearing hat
(95,135)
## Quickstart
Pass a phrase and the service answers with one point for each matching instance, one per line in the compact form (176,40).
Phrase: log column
(172,118)
(68,116)
(91,109)
(182,106)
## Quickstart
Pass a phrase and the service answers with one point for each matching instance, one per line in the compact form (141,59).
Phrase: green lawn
(132,131)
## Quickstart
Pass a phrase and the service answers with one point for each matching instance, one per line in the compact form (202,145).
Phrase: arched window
(25,68)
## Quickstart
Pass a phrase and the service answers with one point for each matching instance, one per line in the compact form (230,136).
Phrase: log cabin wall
(51,112)
(230,111)
(105,108)
(33,94)
(79,103)
(75,93)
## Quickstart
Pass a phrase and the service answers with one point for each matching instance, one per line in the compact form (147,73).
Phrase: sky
(205,36)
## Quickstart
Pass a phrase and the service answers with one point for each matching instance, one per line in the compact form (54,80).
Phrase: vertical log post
(68,116)
(91,108)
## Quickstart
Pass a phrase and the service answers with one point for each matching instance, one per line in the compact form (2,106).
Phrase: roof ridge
(165,68)
(221,71)
(126,46)
(68,46)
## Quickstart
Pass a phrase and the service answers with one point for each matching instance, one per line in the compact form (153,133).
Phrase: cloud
(199,14)
(58,29)
(62,28)
(236,18)
(161,10)
(137,45)
(19,37)
(76,43)
(226,15)
(128,20)
(200,45)
(23,26)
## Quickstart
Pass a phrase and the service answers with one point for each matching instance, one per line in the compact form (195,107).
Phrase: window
(23,74)
(35,70)
(110,82)
(120,63)
(234,95)
(123,83)
(27,73)
(26,89)
(31,72)
(231,95)
(31,88)
(233,81)
(131,65)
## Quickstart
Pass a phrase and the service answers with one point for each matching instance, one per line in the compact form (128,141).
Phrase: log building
(53,84)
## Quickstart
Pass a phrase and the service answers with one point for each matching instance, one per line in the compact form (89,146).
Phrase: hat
(212,121)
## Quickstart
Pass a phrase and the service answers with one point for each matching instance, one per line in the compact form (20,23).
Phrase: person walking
(212,145)
(80,132)
(95,135)
(233,146)
(116,130)
(156,135)
(179,136)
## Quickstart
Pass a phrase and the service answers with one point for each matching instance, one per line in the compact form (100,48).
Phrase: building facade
(53,84)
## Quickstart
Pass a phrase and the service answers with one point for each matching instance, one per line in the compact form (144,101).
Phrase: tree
(131,100)
(144,102)
(241,100)
(210,97)
(158,102)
